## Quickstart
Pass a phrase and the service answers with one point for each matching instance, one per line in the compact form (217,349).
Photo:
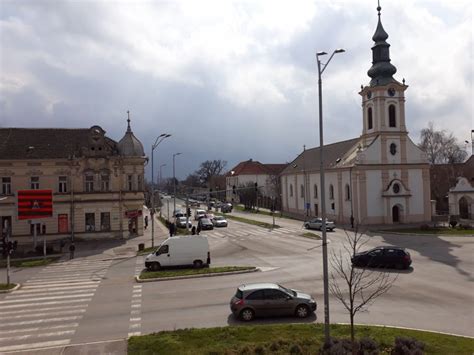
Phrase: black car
(226,207)
(205,224)
(392,257)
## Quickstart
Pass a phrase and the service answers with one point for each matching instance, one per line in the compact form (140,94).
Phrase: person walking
(193,230)
(146,222)
(72,248)
(198,230)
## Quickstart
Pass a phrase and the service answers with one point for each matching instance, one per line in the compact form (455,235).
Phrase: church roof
(129,145)
(252,167)
(309,160)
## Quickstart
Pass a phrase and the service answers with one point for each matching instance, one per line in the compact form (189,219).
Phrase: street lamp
(323,189)
(174,184)
(160,177)
(158,140)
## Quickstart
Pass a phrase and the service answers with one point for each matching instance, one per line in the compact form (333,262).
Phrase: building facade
(381,177)
(97,183)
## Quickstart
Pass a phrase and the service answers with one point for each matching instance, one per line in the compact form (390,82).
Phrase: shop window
(90,222)
(105,221)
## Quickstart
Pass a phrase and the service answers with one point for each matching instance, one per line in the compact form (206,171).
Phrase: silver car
(269,299)
(317,223)
(219,221)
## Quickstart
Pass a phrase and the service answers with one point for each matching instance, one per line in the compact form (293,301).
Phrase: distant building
(381,177)
(251,172)
(97,183)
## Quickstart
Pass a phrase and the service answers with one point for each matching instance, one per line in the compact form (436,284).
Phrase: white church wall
(375,207)
(415,179)
(393,159)
(414,154)
(373,153)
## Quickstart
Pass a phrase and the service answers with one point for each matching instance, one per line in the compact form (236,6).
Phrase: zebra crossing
(47,309)
(246,234)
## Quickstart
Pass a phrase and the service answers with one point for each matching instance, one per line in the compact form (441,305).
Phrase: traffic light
(256,187)
(233,190)
(188,212)
(4,246)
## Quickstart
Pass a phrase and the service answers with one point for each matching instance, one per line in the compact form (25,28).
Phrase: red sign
(62,223)
(133,213)
(33,204)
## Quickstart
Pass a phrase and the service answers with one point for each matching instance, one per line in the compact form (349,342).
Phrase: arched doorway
(396,214)
(463,208)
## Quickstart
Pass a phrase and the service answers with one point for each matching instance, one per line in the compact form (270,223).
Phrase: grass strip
(250,221)
(311,235)
(432,231)
(146,251)
(29,262)
(284,339)
(4,287)
(186,272)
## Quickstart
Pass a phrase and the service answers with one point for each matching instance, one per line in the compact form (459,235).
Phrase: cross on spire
(129,129)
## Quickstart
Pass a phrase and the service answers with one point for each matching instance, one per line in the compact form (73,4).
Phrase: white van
(185,250)
(199,214)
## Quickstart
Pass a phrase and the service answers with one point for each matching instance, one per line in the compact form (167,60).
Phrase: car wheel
(306,226)
(247,314)
(302,311)
(197,264)
(155,266)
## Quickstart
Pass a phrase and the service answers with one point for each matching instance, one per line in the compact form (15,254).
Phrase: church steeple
(382,70)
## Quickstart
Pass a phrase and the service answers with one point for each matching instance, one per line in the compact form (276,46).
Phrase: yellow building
(97,183)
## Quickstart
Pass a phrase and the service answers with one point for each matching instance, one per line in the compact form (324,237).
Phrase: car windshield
(205,221)
(219,218)
(287,290)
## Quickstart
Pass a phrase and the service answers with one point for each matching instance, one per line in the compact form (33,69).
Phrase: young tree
(356,288)
(440,146)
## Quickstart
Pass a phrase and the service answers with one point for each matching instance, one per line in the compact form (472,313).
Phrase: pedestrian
(193,230)
(72,248)
(146,222)
(198,230)
(352,221)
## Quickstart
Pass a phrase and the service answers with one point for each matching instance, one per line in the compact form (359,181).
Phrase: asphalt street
(94,297)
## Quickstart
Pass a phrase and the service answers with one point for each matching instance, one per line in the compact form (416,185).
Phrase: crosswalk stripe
(48,314)
(40,335)
(46,303)
(37,329)
(39,321)
(73,270)
(47,298)
(43,344)
(54,293)
(56,279)
(60,283)
(51,289)
(44,309)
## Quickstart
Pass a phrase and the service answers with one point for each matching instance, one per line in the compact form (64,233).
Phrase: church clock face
(391,92)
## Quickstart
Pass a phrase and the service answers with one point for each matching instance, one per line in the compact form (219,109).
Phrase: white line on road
(47,298)
(37,329)
(52,289)
(42,309)
(49,293)
(48,314)
(58,284)
(41,335)
(45,303)
(40,321)
(42,344)
(135,326)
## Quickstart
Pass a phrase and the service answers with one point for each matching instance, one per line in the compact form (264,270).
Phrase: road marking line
(135,319)
(136,301)
(47,298)
(42,344)
(137,295)
(21,291)
(45,303)
(136,305)
(52,293)
(24,330)
(135,326)
(132,334)
(57,284)
(40,321)
(41,335)
(137,286)
(66,276)
(136,312)
(32,315)
(42,309)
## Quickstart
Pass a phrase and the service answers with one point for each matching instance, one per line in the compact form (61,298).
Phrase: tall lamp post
(161,176)
(321,68)
(174,184)
(158,140)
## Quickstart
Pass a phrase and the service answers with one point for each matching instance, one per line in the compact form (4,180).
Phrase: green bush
(408,346)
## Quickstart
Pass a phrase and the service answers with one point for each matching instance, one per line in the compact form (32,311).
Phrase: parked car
(181,222)
(226,207)
(385,256)
(178,213)
(179,251)
(317,223)
(209,216)
(205,224)
(269,299)
(219,221)
(199,214)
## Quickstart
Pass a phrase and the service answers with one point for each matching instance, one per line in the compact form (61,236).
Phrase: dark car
(226,207)
(269,299)
(392,257)
(205,224)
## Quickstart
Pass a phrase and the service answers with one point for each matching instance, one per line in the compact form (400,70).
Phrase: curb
(11,289)
(139,280)
(425,234)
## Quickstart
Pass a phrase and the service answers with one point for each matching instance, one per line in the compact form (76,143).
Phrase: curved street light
(158,140)
(174,184)
(321,68)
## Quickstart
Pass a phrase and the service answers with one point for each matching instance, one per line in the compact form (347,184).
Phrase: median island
(193,272)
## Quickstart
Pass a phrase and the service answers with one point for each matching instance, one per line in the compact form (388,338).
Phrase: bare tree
(356,288)
(210,168)
(441,146)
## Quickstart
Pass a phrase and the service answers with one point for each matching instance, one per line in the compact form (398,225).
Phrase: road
(91,299)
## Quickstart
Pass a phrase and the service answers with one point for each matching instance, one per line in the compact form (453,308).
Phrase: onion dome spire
(382,70)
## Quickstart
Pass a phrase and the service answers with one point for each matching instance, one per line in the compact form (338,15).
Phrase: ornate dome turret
(129,145)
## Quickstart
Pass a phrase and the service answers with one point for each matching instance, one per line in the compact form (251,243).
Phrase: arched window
(302,191)
(291,190)
(315,191)
(392,120)
(348,192)
(331,192)
(369,118)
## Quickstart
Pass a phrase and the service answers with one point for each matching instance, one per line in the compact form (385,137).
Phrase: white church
(382,177)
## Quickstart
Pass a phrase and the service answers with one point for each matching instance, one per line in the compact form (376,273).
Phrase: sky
(230,80)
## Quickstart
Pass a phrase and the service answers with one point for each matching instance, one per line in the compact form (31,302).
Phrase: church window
(392,121)
(291,190)
(348,192)
(369,118)
(301,191)
(315,191)
(331,192)
(396,188)
(393,149)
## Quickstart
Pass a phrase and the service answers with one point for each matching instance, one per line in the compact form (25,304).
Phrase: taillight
(407,257)
(239,302)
